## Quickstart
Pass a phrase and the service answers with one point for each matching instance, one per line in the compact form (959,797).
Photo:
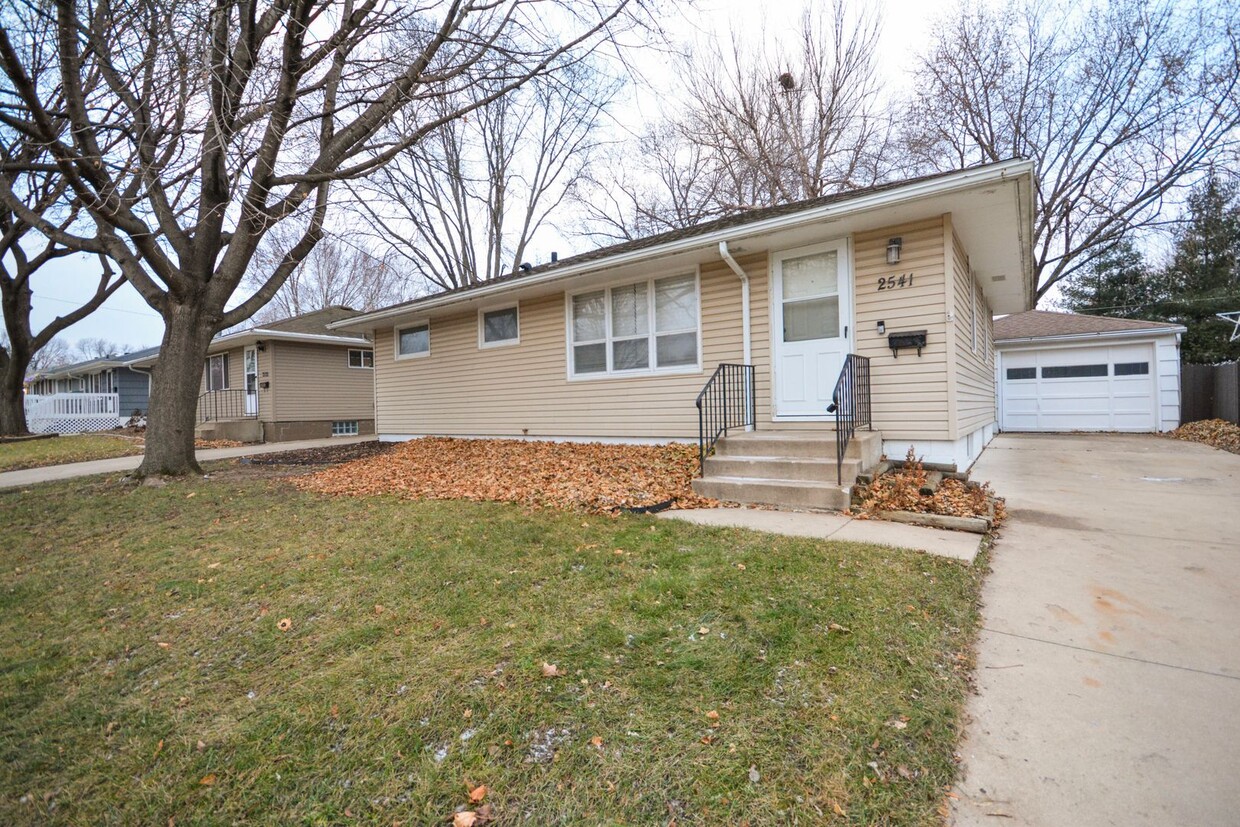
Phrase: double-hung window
(217,372)
(643,327)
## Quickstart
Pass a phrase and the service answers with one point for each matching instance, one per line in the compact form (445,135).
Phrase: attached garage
(1069,372)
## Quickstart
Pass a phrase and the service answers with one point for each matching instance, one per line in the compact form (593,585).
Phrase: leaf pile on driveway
(589,476)
(1217,433)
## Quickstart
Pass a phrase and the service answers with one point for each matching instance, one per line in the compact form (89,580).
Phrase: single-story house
(121,375)
(898,282)
(286,380)
(1073,372)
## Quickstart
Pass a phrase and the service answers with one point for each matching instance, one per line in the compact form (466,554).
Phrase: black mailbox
(914,338)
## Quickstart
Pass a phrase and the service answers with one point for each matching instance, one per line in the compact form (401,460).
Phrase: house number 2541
(895,282)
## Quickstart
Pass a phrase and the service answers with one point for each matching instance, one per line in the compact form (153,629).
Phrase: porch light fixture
(893,250)
(882,328)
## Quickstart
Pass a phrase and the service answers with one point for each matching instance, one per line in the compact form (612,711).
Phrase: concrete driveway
(1109,668)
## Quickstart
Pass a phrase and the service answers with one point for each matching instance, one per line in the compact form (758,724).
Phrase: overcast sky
(126,319)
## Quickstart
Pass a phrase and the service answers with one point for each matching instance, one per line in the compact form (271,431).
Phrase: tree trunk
(173,409)
(12,400)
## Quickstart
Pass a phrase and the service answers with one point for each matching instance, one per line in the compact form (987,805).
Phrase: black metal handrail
(216,406)
(727,401)
(850,402)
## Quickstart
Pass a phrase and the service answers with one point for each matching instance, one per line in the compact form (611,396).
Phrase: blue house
(113,374)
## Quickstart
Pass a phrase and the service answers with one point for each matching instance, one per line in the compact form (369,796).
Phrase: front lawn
(236,650)
(35,453)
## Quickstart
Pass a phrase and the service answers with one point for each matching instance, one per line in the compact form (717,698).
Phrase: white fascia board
(1086,337)
(965,179)
(257,333)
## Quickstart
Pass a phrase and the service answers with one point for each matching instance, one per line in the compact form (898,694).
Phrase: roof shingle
(1037,324)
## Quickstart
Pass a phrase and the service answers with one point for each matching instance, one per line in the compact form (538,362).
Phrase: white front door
(811,320)
(251,381)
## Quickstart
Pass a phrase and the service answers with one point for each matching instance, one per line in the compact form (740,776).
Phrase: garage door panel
(1079,388)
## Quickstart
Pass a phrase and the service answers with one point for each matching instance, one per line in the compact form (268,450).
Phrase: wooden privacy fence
(1210,392)
(72,413)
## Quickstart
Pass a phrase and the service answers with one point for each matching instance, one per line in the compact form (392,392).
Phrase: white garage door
(1079,389)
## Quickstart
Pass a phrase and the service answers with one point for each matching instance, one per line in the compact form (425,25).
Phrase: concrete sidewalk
(959,545)
(1108,676)
(119,465)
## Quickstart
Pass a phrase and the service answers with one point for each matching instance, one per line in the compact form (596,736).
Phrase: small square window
(361,358)
(345,428)
(500,327)
(414,340)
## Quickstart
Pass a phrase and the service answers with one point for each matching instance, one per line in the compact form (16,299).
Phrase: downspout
(726,255)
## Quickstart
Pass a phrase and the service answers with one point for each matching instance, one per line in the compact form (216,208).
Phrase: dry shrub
(900,490)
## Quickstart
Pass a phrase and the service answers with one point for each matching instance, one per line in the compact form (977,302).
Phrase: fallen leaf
(703,630)
(837,809)
(754,776)
(285,624)
(597,741)
(379,609)
(740,566)
(191,494)
(163,645)
(467,714)
(465,818)
(477,794)
(713,715)
(201,745)
(835,627)
(159,748)
(207,780)
(550,670)
(897,724)
(335,711)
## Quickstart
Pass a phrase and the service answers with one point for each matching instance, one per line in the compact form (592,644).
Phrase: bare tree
(24,251)
(337,272)
(215,120)
(463,205)
(1120,103)
(99,348)
(56,353)
(760,121)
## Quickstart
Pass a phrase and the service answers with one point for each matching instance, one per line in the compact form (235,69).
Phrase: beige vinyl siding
(974,381)
(524,388)
(236,377)
(910,392)
(313,382)
(235,367)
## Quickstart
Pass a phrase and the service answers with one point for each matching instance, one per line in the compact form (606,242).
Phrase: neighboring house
(286,380)
(1071,372)
(617,344)
(120,375)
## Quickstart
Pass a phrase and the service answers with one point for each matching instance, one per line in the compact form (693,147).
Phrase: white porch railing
(72,413)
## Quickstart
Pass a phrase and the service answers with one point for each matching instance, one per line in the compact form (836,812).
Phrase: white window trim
(363,366)
(396,329)
(482,311)
(628,374)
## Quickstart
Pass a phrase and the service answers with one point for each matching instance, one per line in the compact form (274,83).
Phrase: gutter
(966,179)
(726,255)
(1077,337)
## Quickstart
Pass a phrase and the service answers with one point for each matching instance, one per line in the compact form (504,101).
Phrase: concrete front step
(782,468)
(786,493)
(866,446)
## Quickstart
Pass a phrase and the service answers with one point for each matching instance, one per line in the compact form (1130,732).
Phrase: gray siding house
(114,374)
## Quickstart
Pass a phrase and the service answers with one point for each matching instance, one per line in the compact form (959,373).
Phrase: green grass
(136,623)
(35,453)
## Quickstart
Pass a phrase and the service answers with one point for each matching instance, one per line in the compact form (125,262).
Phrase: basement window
(345,428)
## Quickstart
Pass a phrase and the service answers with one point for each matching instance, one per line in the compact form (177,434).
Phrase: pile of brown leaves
(590,476)
(900,490)
(217,443)
(1218,433)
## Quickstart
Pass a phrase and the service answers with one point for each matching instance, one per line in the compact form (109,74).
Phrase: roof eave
(965,179)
